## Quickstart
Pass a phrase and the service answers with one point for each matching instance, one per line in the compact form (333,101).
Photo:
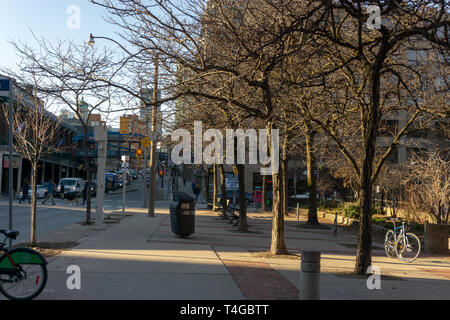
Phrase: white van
(71,185)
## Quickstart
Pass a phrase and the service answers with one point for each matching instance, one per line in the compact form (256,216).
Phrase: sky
(52,20)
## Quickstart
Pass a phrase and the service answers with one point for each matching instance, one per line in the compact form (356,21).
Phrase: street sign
(146,142)
(124,125)
(5,86)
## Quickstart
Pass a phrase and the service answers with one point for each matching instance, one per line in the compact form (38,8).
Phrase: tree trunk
(263,193)
(242,199)
(364,252)
(311,178)
(33,205)
(223,190)
(277,245)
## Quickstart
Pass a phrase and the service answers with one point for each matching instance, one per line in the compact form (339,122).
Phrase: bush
(352,210)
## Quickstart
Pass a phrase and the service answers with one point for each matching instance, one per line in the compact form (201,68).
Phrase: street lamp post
(152,189)
(125,160)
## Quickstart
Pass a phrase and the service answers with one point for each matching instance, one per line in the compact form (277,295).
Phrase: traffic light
(139,154)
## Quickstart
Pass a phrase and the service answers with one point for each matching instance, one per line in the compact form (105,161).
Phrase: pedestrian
(61,194)
(72,197)
(50,190)
(196,192)
(24,195)
(84,192)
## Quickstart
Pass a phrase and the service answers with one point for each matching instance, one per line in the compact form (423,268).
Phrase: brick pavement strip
(259,281)
(438,272)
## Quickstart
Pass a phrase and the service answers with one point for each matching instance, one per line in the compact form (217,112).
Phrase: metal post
(124,186)
(310,275)
(101,137)
(298,213)
(335,224)
(10,162)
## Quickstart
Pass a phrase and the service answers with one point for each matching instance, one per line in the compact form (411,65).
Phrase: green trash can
(182,214)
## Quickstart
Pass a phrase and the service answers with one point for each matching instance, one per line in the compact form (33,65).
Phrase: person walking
(24,196)
(84,192)
(50,190)
(61,191)
(196,192)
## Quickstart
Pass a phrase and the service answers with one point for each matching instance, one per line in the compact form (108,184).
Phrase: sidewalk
(140,258)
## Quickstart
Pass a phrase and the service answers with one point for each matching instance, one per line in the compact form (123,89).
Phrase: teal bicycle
(23,271)
(398,243)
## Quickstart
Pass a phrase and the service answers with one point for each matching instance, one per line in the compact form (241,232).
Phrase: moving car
(71,185)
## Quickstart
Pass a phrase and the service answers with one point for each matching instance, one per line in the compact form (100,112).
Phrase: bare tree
(69,73)
(372,63)
(35,136)
(428,184)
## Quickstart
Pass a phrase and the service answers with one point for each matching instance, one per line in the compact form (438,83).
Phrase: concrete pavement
(140,258)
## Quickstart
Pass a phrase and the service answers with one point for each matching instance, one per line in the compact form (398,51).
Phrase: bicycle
(23,271)
(406,246)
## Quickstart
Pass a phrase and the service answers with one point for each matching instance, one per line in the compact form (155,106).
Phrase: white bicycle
(398,243)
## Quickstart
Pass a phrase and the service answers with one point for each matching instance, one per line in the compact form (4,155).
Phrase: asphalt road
(54,217)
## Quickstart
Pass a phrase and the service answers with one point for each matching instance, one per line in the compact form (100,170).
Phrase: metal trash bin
(182,214)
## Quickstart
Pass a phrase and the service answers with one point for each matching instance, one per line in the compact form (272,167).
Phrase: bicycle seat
(10,233)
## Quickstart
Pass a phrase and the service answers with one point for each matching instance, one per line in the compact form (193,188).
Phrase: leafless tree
(372,65)
(428,184)
(35,136)
(68,72)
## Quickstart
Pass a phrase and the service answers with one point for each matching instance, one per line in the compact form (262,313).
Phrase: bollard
(335,224)
(298,213)
(310,275)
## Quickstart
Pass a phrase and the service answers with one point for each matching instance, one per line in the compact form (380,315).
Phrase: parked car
(71,185)
(40,192)
(248,196)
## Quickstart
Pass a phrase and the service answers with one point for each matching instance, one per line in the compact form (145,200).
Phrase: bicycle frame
(402,232)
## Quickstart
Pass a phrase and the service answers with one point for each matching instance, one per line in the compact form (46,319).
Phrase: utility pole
(145,205)
(152,194)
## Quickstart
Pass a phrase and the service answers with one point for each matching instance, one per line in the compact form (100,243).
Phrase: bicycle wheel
(389,244)
(408,248)
(27,283)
